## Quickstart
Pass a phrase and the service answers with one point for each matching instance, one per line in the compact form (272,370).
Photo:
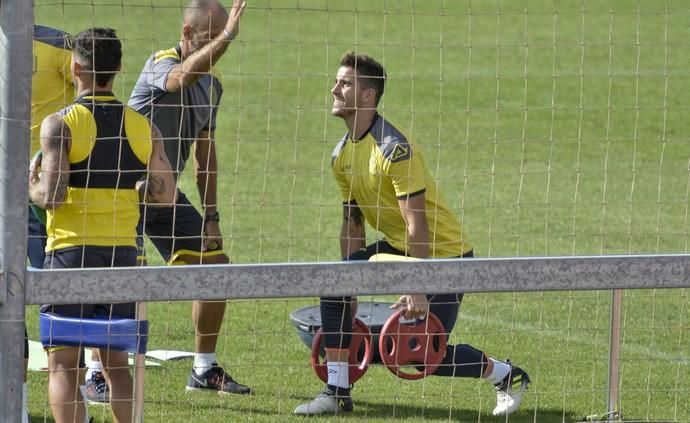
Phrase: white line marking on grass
(574,338)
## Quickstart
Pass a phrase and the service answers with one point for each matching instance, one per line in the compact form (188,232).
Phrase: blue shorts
(90,256)
(174,231)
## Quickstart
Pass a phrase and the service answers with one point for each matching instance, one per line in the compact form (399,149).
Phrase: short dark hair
(99,50)
(370,73)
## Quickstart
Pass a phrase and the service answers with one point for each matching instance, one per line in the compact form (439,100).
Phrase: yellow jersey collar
(98,96)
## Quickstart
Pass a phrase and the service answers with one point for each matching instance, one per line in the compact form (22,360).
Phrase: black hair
(370,73)
(100,51)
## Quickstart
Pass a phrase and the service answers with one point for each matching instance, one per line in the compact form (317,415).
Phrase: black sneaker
(215,379)
(96,389)
(327,402)
(509,391)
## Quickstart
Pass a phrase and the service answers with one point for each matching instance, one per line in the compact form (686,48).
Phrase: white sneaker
(509,391)
(327,402)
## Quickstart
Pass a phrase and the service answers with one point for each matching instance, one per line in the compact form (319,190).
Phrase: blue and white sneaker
(215,379)
(96,389)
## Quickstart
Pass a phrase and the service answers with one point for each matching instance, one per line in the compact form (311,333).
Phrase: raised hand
(233,25)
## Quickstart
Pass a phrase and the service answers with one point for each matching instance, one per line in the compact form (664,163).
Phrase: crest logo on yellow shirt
(400,152)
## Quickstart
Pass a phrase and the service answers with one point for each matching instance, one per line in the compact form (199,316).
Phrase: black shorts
(90,256)
(174,231)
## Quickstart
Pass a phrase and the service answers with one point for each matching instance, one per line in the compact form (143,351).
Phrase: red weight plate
(360,336)
(420,346)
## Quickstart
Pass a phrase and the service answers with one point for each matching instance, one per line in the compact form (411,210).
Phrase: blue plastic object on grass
(116,334)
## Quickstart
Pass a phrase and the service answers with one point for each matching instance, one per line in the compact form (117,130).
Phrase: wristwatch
(213,217)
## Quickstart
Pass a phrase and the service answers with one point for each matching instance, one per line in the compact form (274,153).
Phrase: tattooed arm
(48,188)
(159,185)
(352,232)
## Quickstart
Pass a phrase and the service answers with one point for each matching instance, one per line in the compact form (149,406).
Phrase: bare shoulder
(52,124)
(54,132)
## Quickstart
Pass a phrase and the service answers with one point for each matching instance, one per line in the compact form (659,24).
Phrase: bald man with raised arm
(180,91)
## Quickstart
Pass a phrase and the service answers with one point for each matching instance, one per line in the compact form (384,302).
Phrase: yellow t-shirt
(51,82)
(384,167)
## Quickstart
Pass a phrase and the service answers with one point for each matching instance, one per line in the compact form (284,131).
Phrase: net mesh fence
(551,128)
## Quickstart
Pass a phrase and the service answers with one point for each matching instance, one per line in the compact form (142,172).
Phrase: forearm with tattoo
(352,233)
(353,215)
(159,185)
(155,188)
(50,190)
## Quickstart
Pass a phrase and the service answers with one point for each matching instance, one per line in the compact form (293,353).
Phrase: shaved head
(203,20)
(205,15)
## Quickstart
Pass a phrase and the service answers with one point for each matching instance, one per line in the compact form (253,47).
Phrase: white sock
(94,366)
(25,403)
(203,362)
(499,372)
(339,374)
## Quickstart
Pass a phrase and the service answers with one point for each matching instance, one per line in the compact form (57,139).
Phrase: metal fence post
(16,29)
(613,399)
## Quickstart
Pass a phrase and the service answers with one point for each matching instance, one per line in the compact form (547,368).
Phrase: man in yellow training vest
(384,181)
(97,154)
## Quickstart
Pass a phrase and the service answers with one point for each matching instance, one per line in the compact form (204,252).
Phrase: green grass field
(553,127)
